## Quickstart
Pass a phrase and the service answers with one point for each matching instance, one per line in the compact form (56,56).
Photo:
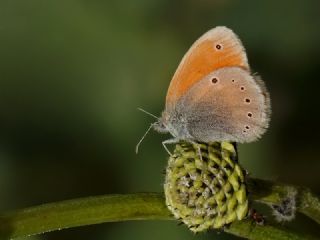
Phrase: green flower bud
(208,191)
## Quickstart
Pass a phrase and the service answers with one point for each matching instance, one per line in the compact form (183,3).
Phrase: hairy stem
(148,206)
(273,193)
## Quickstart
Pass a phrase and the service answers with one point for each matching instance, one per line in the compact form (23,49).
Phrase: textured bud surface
(206,192)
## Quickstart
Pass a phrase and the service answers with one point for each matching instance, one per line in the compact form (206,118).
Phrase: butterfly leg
(169,141)
(198,148)
(176,140)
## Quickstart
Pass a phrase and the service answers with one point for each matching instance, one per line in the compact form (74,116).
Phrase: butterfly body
(213,96)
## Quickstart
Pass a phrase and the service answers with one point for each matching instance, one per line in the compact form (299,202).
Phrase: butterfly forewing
(217,48)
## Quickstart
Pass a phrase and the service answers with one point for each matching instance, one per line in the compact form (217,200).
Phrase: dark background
(72,74)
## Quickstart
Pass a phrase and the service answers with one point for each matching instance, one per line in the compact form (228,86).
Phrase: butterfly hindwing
(227,104)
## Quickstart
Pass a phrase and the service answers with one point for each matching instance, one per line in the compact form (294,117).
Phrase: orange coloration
(217,48)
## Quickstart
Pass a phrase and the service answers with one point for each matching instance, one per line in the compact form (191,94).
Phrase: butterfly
(213,96)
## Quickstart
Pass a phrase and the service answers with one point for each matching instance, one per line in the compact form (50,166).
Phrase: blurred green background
(72,74)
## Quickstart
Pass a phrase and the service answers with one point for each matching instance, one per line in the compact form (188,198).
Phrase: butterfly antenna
(144,135)
(150,114)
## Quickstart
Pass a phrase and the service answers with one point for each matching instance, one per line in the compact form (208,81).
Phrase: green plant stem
(81,212)
(146,206)
(250,230)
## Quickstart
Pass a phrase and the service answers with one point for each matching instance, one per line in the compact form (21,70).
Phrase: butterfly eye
(247,127)
(214,80)
(249,114)
(247,100)
(218,46)
(242,88)
(233,80)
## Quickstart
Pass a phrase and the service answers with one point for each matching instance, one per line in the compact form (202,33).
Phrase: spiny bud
(286,209)
(206,191)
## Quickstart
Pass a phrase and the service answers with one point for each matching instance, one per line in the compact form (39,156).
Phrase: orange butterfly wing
(217,48)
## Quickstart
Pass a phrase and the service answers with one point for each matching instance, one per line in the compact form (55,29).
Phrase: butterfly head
(160,126)
(173,123)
